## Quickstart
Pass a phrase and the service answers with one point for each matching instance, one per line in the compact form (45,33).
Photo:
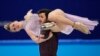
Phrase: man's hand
(41,39)
(41,36)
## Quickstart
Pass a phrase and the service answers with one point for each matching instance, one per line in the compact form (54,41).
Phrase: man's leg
(49,48)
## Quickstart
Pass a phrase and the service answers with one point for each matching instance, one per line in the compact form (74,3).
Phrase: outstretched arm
(28,15)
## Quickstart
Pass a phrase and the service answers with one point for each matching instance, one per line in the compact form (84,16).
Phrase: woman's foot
(81,27)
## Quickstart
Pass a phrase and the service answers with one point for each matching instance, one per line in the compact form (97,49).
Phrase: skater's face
(42,17)
(15,26)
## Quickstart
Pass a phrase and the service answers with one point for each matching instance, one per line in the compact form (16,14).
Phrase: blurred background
(11,10)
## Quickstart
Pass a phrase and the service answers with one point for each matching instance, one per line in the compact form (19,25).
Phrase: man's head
(43,14)
(13,26)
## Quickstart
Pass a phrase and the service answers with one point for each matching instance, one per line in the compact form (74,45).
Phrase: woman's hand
(81,27)
(28,15)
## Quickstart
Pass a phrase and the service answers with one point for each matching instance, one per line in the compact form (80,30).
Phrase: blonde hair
(7,27)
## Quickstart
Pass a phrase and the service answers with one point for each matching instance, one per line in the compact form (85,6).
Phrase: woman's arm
(37,39)
(28,15)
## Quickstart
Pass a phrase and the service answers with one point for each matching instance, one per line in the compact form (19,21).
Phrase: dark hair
(46,11)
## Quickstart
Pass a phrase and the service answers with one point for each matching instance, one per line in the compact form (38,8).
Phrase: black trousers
(49,48)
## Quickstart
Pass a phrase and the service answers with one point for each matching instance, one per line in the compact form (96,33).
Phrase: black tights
(49,48)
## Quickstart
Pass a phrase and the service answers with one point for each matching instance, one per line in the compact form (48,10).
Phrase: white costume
(35,26)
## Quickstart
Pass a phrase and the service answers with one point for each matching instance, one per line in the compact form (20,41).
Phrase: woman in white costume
(56,21)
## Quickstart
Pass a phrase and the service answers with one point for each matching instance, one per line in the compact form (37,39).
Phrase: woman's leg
(58,16)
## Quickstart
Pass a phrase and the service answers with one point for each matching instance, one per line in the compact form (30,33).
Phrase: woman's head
(13,26)
(43,14)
